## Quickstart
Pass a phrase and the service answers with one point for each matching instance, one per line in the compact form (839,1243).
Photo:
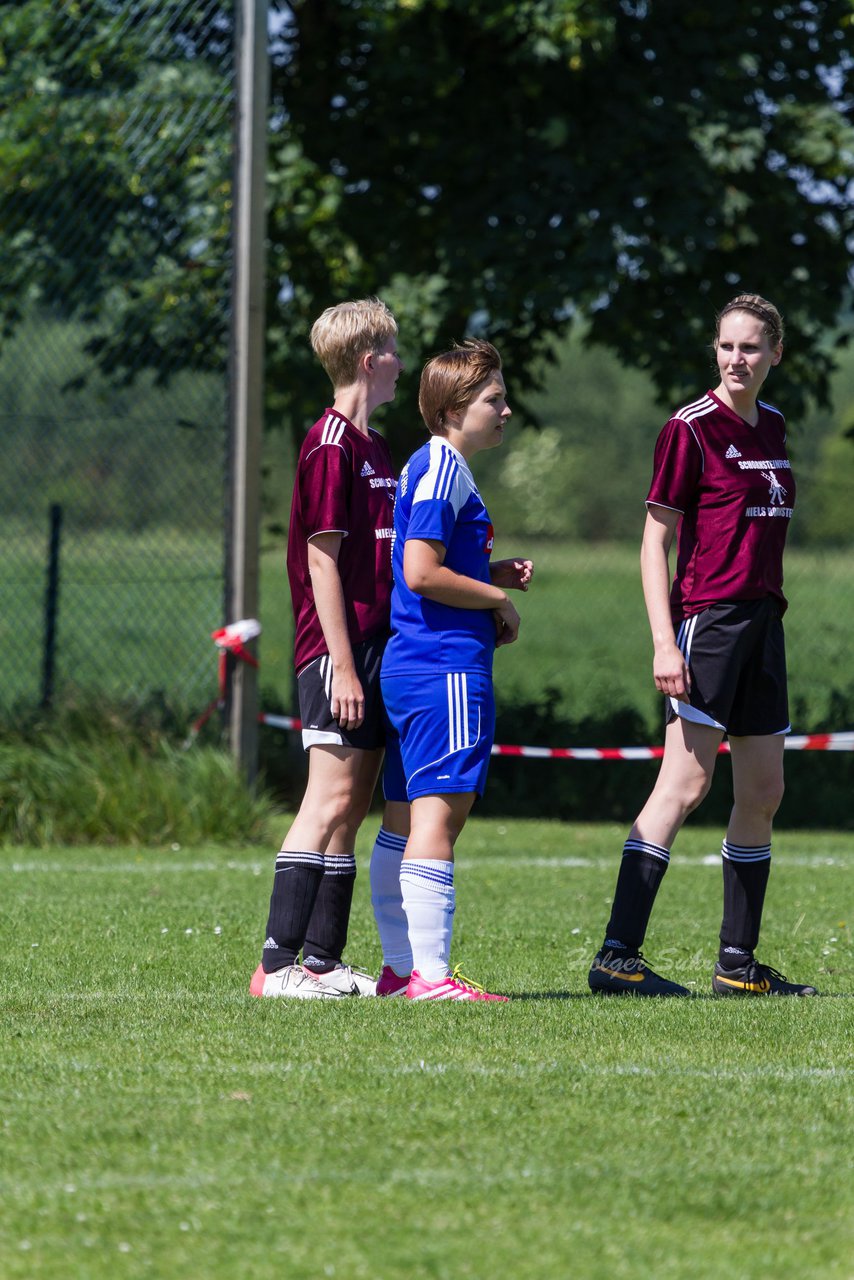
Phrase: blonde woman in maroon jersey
(339,570)
(722,483)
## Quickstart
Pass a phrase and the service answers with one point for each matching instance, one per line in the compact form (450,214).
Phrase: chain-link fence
(115,151)
(115,255)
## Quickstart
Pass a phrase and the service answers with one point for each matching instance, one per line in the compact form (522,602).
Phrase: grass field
(157,1122)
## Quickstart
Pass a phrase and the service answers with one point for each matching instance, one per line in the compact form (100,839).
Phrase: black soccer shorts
(319,728)
(736,654)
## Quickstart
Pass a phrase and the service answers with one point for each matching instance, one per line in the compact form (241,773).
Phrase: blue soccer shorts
(443,728)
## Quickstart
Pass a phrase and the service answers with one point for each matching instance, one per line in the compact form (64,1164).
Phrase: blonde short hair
(757,306)
(449,381)
(343,333)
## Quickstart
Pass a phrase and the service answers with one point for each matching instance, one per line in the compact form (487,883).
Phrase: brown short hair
(449,380)
(759,307)
(345,332)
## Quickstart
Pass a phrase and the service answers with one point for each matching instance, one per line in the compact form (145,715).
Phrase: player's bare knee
(677,797)
(357,813)
(695,792)
(328,810)
(767,800)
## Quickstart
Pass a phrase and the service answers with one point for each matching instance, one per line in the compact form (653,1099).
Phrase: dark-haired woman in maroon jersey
(721,477)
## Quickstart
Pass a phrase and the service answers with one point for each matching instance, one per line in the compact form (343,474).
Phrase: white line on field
(68,866)
(816,1074)
(511,1070)
(703,860)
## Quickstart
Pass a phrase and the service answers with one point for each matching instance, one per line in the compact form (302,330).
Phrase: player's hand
(511,575)
(671,674)
(507,623)
(347,699)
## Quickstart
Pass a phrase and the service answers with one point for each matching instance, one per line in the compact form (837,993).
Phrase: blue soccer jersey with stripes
(438,501)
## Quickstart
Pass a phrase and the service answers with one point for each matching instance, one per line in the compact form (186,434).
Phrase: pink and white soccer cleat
(454,987)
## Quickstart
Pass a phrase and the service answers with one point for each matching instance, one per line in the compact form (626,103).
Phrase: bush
(106,774)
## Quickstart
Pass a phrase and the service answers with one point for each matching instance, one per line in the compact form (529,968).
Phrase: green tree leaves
(501,168)
(112,209)
(632,164)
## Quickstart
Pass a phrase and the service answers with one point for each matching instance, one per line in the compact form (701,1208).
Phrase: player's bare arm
(348,700)
(427,575)
(513,574)
(507,623)
(669,671)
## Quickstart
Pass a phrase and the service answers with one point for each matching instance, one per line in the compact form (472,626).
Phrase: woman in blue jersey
(450,610)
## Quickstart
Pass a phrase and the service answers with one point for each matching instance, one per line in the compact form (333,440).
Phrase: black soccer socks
(326,936)
(296,884)
(746,870)
(641,872)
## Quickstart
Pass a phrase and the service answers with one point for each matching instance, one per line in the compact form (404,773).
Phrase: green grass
(158,1122)
(117,792)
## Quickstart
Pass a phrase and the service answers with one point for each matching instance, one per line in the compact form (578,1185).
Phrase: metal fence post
(246,365)
(51,606)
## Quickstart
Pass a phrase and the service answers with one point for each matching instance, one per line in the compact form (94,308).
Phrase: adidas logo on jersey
(732,452)
(367,470)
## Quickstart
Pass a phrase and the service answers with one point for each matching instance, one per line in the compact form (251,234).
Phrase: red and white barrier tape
(795,742)
(233,639)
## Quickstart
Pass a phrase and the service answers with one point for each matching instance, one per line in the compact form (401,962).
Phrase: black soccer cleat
(755,979)
(626,973)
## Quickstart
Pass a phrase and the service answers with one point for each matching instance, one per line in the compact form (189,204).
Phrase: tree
(505,168)
(115,176)
(502,167)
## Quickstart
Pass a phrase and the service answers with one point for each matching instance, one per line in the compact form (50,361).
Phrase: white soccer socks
(427,888)
(387,902)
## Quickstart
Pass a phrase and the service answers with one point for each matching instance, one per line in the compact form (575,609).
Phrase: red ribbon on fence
(230,639)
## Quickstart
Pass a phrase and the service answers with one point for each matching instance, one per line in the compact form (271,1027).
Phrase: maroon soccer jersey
(344,484)
(734,486)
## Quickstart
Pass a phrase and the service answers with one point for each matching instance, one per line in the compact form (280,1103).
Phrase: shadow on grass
(550,995)
(694,995)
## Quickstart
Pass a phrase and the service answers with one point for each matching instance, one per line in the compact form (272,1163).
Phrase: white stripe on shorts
(684,641)
(686,636)
(458,711)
